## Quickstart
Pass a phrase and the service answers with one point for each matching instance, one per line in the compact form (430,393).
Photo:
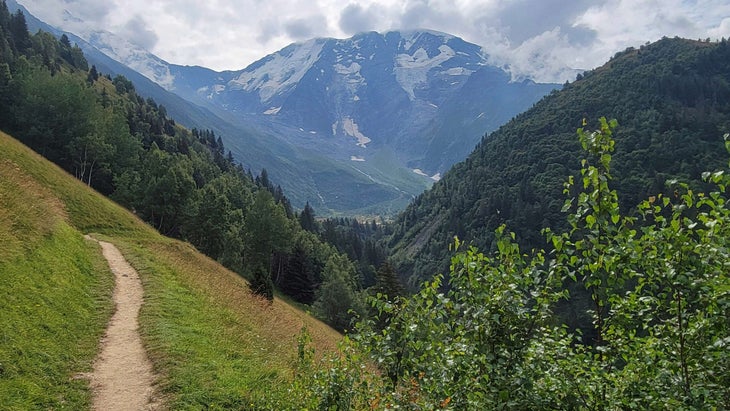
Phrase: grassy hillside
(55,291)
(214,344)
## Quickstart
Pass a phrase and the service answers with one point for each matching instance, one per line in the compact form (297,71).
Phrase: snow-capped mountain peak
(279,71)
(131,55)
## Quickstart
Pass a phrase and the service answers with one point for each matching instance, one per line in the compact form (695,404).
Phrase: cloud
(91,10)
(267,30)
(356,19)
(432,14)
(305,28)
(545,39)
(524,19)
(722,30)
(137,32)
(542,58)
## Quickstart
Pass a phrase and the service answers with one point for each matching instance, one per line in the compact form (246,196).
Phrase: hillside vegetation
(672,101)
(649,283)
(55,296)
(214,342)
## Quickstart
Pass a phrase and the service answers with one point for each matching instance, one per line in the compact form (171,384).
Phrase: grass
(214,345)
(55,292)
(218,345)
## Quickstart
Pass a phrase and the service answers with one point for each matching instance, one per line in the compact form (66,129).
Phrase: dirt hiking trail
(122,378)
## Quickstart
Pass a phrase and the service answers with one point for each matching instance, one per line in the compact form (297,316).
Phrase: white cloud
(539,38)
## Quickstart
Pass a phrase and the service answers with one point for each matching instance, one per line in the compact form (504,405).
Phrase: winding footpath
(122,378)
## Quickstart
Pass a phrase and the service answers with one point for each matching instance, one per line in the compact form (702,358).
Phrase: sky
(544,40)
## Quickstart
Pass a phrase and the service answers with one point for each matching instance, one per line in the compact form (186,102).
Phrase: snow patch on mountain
(411,70)
(458,71)
(356,158)
(280,70)
(411,37)
(353,80)
(132,56)
(350,128)
(272,111)
(353,69)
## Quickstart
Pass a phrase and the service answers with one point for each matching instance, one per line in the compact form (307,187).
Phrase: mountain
(386,103)
(423,95)
(672,103)
(359,125)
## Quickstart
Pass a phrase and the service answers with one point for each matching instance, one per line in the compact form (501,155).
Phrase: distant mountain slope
(352,126)
(672,102)
(425,96)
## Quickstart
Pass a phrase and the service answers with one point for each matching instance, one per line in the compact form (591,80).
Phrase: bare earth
(122,378)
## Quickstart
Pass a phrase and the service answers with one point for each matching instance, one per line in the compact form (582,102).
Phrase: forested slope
(672,102)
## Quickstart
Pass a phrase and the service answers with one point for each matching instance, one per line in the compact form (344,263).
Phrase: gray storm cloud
(524,19)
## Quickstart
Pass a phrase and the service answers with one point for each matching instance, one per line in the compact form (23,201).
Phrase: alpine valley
(352,127)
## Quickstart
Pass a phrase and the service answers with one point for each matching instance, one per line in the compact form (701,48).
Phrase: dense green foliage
(180,181)
(659,286)
(673,100)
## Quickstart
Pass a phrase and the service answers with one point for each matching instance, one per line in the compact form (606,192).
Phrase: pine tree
(261,283)
(297,276)
(93,75)
(306,219)
(18,28)
(387,282)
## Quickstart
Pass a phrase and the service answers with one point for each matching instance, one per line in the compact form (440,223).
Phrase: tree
(65,42)
(387,282)
(169,190)
(306,219)
(297,276)
(267,231)
(337,301)
(6,96)
(210,222)
(261,283)
(93,75)
(18,29)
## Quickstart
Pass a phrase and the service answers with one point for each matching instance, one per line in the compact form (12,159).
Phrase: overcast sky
(536,38)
